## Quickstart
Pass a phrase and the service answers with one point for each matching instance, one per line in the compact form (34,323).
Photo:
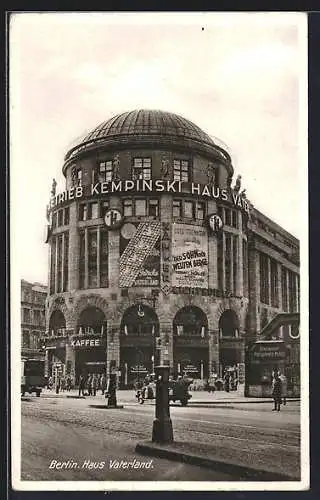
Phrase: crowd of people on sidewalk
(87,385)
(90,385)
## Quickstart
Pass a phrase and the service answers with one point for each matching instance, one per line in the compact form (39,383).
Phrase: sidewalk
(247,467)
(198,397)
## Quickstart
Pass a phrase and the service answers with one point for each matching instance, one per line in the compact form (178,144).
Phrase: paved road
(64,429)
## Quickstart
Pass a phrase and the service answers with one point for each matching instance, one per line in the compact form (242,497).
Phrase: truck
(32,376)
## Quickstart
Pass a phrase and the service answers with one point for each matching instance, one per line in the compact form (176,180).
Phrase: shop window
(141,168)
(105,171)
(181,170)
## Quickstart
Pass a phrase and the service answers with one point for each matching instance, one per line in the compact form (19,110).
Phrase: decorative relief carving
(211,173)
(165,167)
(116,168)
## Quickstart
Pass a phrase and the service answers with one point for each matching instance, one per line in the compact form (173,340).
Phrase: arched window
(91,321)
(140,320)
(229,324)
(57,323)
(190,321)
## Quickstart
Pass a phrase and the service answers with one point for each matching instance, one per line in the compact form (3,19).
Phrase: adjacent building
(33,319)
(157,256)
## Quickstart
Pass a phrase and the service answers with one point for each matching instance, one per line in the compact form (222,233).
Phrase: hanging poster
(189,256)
(140,254)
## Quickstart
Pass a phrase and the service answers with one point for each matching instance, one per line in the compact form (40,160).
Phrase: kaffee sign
(99,189)
(87,342)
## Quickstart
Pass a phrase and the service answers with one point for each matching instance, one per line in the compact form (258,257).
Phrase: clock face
(215,222)
(113,218)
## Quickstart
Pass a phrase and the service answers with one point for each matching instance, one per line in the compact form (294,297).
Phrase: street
(92,440)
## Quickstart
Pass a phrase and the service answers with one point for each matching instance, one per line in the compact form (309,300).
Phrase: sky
(240,77)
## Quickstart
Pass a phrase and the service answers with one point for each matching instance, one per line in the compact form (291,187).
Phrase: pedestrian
(89,384)
(68,383)
(103,383)
(58,385)
(81,385)
(276,392)
(94,384)
(284,387)
(227,381)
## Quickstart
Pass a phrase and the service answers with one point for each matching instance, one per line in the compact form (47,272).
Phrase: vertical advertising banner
(189,256)
(140,254)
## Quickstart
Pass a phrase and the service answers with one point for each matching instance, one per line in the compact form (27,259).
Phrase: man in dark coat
(81,385)
(277,392)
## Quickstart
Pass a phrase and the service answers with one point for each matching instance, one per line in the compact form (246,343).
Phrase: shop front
(139,331)
(90,355)
(190,343)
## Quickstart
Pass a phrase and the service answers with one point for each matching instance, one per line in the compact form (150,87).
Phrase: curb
(240,471)
(105,407)
(75,397)
(231,402)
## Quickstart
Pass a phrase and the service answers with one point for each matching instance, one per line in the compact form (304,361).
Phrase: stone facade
(164,184)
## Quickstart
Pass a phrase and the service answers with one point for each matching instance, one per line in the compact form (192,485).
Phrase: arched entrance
(90,342)
(190,342)
(139,330)
(231,344)
(57,352)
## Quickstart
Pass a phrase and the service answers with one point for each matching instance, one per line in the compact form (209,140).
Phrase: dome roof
(134,126)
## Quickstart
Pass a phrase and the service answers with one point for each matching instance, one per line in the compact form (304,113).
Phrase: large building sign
(100,189)
(189,256)
(140,254)
(268,351)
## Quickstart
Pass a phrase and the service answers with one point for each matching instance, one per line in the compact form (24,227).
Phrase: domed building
(154,257)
